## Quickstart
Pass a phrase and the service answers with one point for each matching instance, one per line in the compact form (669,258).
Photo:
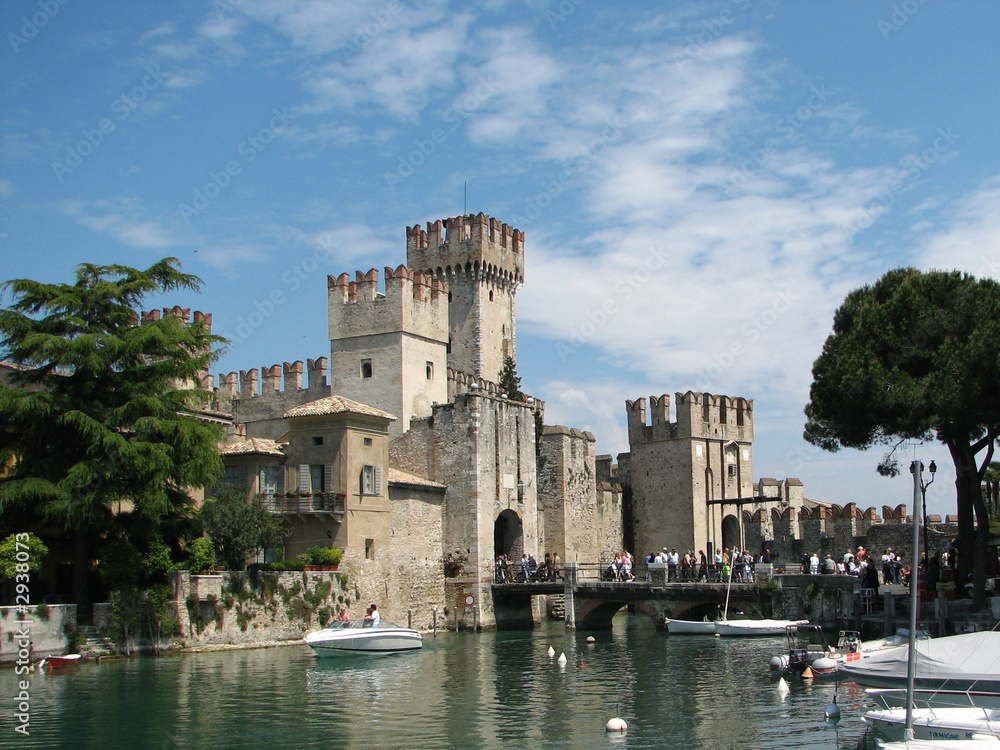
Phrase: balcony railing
(331,502)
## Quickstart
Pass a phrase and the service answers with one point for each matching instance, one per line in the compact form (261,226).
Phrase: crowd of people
(528,571)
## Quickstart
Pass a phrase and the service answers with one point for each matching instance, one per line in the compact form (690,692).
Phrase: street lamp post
(923,499)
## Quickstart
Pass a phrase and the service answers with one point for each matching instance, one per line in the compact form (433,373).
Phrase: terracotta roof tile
(336,405)
(401,477)
(260,446)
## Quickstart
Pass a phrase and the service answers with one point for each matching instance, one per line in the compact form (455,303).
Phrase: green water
(493,690)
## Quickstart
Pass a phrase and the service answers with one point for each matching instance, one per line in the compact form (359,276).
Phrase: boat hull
(896,698)
(755,627)
(691,627)
(361,641)
(935,724)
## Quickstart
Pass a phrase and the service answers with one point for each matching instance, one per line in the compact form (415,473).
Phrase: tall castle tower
(482,260)
(683,472)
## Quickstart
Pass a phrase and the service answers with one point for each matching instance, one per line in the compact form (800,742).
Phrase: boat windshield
(340,624)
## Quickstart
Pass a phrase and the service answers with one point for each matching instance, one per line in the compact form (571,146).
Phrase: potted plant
(325,558)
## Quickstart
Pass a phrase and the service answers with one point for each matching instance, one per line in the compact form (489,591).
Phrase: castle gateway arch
(508,537)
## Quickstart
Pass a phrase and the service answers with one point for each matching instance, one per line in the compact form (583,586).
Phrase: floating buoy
(783,687)
(615,725)
(807,673)
(561,659)
(591,639)
(552,652)
(832,711)
(779,663)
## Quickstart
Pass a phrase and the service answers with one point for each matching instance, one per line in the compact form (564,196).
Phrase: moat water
(491,690)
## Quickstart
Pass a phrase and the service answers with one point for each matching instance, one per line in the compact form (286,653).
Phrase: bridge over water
(590,603)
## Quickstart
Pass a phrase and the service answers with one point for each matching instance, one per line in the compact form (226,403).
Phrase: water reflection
(493,690)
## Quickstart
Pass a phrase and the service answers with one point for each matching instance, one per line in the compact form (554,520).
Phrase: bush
(325,555)
(202,555)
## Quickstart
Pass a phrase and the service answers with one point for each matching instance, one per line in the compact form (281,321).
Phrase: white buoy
(783,687)
(615,725)
(552,652)
(561,660)
(591,639)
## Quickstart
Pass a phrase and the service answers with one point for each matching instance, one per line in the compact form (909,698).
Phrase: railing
(332,502)
(514,573)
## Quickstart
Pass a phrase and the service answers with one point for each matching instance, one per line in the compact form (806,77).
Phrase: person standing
(702,566)
(373,618)
(673,560)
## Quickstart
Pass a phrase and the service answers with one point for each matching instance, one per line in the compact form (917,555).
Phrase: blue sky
(700,184)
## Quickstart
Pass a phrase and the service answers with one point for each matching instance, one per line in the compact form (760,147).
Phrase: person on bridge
(702,566)
(673,560)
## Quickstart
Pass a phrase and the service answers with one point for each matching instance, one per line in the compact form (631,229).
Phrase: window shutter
(303,477)
(328,478)
(377,483)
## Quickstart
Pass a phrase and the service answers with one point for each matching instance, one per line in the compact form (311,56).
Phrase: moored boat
(344,638)
(755,627)
(936,723)
(690,627)
(56,662)
(896,698)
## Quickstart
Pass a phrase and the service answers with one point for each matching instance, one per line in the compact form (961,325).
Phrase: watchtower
(482,260)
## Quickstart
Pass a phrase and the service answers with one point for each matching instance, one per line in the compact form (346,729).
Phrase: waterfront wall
(47,630)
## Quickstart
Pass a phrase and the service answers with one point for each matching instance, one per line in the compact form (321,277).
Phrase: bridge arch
(508,535)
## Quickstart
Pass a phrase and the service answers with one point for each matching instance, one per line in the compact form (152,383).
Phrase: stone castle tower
(446,316)
(682,472)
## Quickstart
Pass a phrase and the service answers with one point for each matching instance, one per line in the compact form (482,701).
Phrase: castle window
(235,476)
(704,407)
(430,371)
(449,296)
(731,470)
(366,368)
(448,348)
(368,442)
(739,412)
(318,440)
(369,549)
(491,295)
(371,480)
(722,412)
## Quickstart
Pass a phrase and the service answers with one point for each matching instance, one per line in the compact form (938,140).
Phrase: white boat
(690,627)
(965,662)
(343,638)
(807,646)
(756,627)
(936,723)
(980,743)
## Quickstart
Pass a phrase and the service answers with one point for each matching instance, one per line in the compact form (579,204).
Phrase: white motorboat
(690,627)
(343,638)
(807,646)
(979,743)
(936,723)
(756,627)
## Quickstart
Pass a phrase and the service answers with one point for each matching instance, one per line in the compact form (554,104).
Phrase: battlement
(267,381)
(184,313)
(461,382)
(698,415)
(470,247)
(411,301)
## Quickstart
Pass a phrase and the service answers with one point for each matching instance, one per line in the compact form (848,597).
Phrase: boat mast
(916,468)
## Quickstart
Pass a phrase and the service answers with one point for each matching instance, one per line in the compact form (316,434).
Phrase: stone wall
(46,630)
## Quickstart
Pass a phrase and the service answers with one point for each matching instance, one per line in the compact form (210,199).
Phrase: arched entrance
(730,532)
(507,536)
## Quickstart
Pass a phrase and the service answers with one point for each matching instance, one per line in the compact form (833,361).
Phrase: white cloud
(121,218)
(970,240)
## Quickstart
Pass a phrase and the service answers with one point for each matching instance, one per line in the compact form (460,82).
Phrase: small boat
(755,627)
(807,646)
(57,662)
(936,723)
(690,627)
(343,638)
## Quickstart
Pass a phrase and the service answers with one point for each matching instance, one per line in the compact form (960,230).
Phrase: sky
(700,184)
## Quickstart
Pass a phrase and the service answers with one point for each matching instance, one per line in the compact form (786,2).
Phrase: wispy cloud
(124,219)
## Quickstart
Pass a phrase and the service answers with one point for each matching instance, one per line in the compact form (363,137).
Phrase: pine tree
(508,381)
(101,433)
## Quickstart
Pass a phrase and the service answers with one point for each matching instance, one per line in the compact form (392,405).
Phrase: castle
(401,448)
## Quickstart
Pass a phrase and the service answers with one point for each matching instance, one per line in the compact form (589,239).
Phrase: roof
(401,477)
(336,405)
(253,446)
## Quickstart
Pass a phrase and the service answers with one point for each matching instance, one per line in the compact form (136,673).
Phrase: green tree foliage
(100,418)
(31,550)
(239,526)
(912,357)
(508,380)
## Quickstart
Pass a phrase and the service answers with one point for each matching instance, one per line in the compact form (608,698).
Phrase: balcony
(330,502)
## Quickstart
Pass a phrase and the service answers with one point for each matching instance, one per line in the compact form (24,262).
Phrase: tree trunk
(81,574)
(971,547)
